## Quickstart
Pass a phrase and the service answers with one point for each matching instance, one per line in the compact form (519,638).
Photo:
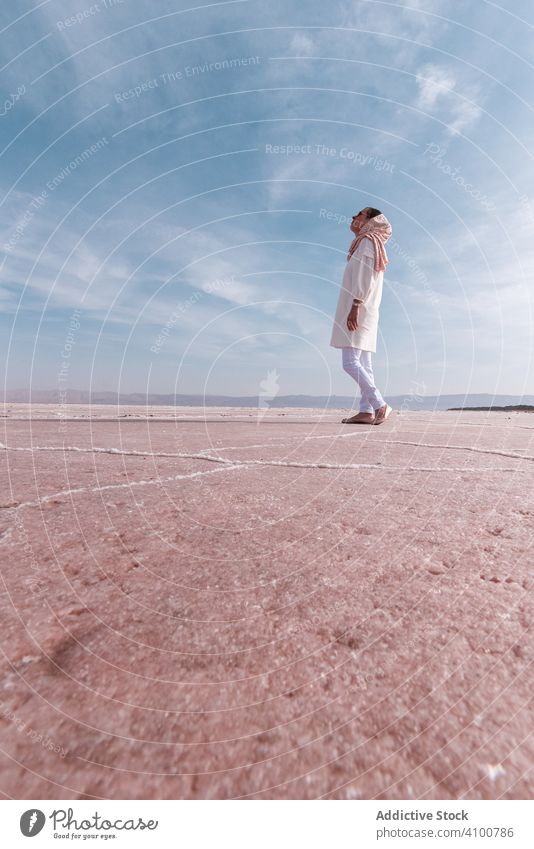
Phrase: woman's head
(359,220)
(371,224)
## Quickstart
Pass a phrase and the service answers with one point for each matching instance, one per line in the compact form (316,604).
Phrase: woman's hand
(352,319)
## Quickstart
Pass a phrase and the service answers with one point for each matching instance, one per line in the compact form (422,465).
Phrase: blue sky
(177,181)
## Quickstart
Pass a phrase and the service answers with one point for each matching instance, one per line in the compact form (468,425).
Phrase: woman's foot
(360,418)
(382,413)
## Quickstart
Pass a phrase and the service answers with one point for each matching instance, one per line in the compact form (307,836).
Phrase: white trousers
(359,365)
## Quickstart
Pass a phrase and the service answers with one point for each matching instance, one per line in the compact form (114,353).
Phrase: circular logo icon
(32,822)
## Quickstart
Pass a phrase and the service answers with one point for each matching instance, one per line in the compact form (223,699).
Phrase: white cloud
(439,90)
(301,44)
(433,83)
(465,115)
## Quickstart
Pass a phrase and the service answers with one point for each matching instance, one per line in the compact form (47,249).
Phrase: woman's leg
(357,363)
(370,399)
(367,365)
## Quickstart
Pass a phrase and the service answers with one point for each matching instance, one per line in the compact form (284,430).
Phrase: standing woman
(356,322)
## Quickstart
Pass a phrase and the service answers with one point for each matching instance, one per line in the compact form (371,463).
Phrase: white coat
(360,280)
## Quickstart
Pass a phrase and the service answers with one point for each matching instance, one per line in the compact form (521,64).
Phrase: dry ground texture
(236,603)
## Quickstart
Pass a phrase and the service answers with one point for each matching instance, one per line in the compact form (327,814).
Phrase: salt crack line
(229,465)
(280,441)
(293,437)
(232,465)
(234,462)
(204,456)
(377,466)
(460,448)
(94,450)
(127,485)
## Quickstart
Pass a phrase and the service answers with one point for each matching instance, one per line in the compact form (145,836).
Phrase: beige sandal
(382,416)
(357,420)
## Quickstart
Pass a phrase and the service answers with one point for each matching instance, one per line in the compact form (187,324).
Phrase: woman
(356,321)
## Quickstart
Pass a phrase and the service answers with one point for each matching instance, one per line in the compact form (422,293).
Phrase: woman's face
(358,221)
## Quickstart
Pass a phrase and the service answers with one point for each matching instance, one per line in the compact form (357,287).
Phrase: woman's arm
(361,278)
(361,281)
(352,318)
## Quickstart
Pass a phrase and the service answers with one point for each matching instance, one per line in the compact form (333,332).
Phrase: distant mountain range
(405,402)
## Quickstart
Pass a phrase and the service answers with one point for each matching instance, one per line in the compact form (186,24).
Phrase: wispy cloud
(440,93)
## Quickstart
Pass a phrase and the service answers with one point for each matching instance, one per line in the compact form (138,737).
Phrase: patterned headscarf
(378,230)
